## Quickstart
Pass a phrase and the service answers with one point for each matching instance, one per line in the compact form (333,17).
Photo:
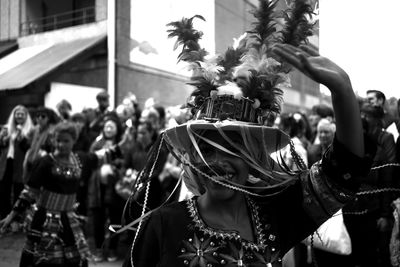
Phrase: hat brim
(270,139)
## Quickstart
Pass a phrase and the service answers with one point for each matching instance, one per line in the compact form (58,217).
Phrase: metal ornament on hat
(248,65)
(225,107)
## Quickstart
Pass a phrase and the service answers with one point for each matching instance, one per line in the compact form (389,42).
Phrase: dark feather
(203,86)
(297,27)
(264,28)
(192,55)
(230,60)
(261,86)
(201,93)
(187,37)
(184,30)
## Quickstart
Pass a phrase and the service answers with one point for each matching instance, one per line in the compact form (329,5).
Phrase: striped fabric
(56,202)
(47,246)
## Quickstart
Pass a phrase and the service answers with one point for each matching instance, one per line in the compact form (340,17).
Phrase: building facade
(70,49)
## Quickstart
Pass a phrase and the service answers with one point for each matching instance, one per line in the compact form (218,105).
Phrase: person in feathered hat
(249,208)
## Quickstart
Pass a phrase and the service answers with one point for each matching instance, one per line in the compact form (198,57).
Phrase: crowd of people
(226,180)
(369,217)
(32,137)
(103,189)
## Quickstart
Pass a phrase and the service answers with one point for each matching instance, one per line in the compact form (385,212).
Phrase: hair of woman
(68,128)
(26,127)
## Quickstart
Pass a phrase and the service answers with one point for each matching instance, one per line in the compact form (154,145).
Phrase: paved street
(10,249)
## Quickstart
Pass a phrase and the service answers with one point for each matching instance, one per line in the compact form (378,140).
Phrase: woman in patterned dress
(54,233)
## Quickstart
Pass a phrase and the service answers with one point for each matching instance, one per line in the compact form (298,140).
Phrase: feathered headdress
(247,69)
(236,91)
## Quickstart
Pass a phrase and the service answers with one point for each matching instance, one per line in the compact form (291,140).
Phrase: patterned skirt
(54,233)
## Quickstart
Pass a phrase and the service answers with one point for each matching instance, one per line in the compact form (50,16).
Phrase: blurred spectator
(161,119)
(376,98)
(152,116)
(64,109)
(325,132)
(318,112)
(370,228)
(90,114)
(305,130)
(103,102)
(15,140)
(42,137)
(125,113)
(390,120)
(135,160)
(292,125)
(83,142)
(106,206)
(82,145)
(146,137)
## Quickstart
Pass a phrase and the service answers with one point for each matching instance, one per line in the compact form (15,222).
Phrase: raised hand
(322,70)
(318,68)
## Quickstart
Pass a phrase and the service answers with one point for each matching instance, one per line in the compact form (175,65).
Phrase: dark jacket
(378,204)
(21,146)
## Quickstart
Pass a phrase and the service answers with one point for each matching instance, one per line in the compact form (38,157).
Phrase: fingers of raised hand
(298,58)
(289,54)
(309,50)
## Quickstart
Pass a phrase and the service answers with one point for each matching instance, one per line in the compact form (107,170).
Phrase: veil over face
(254,144)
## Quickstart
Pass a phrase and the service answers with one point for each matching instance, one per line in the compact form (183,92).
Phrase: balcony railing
(59,21)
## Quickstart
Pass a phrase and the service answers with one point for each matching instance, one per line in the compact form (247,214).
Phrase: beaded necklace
(68,170)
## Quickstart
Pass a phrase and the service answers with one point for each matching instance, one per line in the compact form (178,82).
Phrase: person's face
(148,116)
(110,129)
(325,134)
(143,135)
(224,167)
(42,120)
(313,119)
(79,125)
(64,143)
(371,121)
(104,103)
(374,100)
(20,116)
(64,111)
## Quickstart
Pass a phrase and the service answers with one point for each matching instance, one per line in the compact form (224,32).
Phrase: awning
(30,64)
(7,47)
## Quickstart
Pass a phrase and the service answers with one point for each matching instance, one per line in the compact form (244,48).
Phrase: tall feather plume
(297,26)
(265,25)
(205,78)
(189,38)
(203,74)
(259,77)
(232,58)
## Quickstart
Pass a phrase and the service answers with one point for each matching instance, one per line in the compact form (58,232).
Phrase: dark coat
(21,147)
